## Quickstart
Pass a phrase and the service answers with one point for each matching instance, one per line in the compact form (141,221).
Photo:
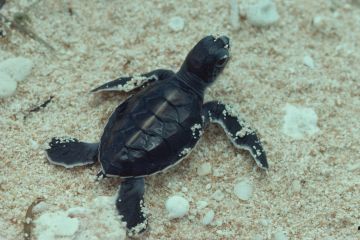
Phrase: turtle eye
(222,61)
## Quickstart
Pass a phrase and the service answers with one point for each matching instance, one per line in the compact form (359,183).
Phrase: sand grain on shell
(102,41)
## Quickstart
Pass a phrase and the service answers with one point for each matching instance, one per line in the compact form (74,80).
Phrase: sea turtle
(158,126)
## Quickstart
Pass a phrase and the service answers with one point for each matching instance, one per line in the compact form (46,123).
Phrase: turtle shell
(148,132)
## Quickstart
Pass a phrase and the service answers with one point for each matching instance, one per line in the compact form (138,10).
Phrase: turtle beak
(226,41)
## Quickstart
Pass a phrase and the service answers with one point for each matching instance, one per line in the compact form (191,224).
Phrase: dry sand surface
(312,189)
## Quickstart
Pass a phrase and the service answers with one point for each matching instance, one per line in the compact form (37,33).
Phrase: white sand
(107,39)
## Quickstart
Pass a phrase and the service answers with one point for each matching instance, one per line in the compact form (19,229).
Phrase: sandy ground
(312,190)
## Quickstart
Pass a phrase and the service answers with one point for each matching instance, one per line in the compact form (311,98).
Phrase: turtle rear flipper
(130,204)
(127,84)
(69,152)
(239,132)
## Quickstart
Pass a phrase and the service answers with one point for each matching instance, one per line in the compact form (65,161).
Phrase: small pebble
(318,22)
(243,190)
(280,235)
(177,206)
(7,85)
(326,25)
(309,61)
(218,172)
(296,186)
(208,217)
(176,23)
(204,169)
(201,204)
(34,145)
(257,237)
(353,166)
(264,222)
(218,195)
(219,222)
(262,14)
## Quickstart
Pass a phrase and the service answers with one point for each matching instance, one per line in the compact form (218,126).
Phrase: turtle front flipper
(69,152)
(239,132)
(130,204)
(128,84)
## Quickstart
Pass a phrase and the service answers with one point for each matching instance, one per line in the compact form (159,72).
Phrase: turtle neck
(192,81)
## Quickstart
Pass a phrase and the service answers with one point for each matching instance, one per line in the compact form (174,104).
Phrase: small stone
(204,169)
(218,195)
(280,235)
(353,166)
(208,217)
(262,14)
(318,22)
(34,145)
(296,186)
(243,190)
(7,85)
(308,61)
(265,222)
(17,68)
(218,222)
(177,206)
(176,23)
(208,186)
(218,172)
(326,25)
(257,237)
(201,204)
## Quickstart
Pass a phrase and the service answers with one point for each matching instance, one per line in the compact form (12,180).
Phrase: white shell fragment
(262,14)
(204,169)
(7,85)
(56,224)
(13,70)
(208,217)
(176,23)
(243,190)
(17,68)
(299,121)
(309,61)
(81,222)
(177,206)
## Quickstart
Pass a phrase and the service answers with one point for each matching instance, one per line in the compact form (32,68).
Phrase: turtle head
(208,58)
